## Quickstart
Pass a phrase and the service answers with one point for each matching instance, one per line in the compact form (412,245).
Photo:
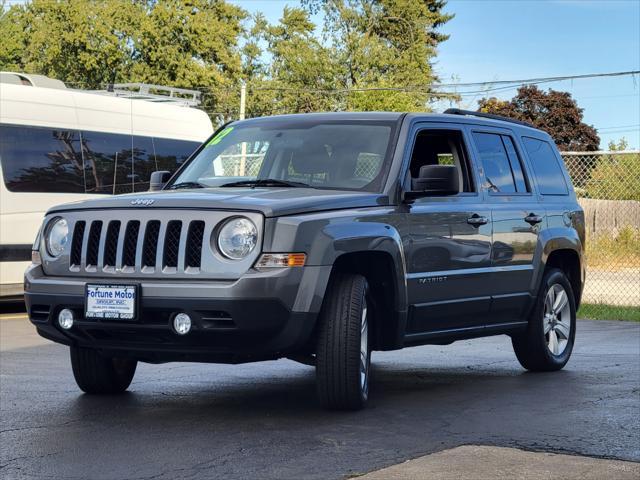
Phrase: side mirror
(434,180)
(158,180)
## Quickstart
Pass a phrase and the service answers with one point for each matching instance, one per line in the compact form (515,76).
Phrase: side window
(516,165)
(144,163)
(502,167)
(41,160)
(441,147)
(108,162)
(545,167)
(170,153)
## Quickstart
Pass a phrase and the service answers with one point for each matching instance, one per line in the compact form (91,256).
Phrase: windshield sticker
(216,140)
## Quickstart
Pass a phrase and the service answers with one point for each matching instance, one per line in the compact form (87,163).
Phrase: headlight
(237,238)
(57,236)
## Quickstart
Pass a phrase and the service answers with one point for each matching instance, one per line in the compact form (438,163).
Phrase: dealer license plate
(111,302)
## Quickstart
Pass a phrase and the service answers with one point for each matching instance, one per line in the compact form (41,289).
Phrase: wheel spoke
(553,342)
(560,301)
(547,325)
(563,328)
(550,300)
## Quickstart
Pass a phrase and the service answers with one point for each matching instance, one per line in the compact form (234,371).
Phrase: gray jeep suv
(320,238)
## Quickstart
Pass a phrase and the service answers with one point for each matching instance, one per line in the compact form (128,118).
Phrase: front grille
(150,245)
(129,254)
(172,244)
(193,254)
(93,244)
(111,244)
(130,244)
(76,244)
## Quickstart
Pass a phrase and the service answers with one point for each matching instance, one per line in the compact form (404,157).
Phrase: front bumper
(263,315)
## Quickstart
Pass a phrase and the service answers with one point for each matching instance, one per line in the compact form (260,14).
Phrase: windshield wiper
(266,182)
(180,185)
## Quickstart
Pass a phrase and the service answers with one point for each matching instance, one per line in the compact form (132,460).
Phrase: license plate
(116,302)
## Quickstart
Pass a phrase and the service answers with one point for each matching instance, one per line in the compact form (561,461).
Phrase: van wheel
(343,354)
(95,373)
(547,343)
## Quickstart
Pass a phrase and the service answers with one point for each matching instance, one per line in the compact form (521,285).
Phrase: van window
(107,162)
(144,163)
(170,153)
(545,167)
(41,159)
(47,160)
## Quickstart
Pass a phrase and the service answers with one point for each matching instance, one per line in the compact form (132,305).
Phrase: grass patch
(600,311)
(613,252)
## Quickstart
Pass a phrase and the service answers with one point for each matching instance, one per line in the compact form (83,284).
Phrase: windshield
(344,155)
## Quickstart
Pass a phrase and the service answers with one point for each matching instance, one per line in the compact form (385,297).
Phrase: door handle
(532,219)
(476,220)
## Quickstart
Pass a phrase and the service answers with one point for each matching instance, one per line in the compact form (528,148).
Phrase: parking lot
(261,420)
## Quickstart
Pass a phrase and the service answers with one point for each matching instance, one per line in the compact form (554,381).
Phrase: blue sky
(515,39)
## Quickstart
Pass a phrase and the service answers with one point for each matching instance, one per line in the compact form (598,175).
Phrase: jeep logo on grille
(142,202)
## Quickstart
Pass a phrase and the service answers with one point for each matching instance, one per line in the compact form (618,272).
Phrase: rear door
(447,240)
(517,218)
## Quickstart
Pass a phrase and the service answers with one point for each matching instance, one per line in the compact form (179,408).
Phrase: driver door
(447,240)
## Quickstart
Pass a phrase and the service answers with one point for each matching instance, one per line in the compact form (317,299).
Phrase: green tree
(80,42)
(554,112)
(86,43)
(616,176)
(382,44)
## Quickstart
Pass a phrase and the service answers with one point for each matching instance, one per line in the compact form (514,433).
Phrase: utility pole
(243,98)
(243,147)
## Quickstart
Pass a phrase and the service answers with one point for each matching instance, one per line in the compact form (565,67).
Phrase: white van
(59,145)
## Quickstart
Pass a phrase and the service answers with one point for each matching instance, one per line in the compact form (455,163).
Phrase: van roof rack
(153,93)
(457,111)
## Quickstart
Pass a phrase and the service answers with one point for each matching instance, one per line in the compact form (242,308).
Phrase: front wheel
(343,354)
(547,343)
(95,373)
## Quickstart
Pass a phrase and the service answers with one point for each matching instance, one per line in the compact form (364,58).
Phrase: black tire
(95,373)
(338,357)
(531,347)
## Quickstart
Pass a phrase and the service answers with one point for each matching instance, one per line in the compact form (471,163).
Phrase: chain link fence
(608,189)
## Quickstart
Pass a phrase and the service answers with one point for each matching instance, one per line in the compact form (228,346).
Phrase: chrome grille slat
(120,245)
(103,240)
(159,250)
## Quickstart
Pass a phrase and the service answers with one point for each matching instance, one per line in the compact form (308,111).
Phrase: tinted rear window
(47,160)
(545,167)
(41,160)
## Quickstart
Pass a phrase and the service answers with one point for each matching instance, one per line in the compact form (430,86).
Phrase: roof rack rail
(153,93)
(457,111)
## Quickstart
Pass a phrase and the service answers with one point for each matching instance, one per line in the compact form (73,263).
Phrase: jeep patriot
(320,238)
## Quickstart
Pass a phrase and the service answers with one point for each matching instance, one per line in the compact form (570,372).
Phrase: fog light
(65,318)
(182,323)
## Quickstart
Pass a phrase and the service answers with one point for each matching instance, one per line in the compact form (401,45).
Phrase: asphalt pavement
(261,420)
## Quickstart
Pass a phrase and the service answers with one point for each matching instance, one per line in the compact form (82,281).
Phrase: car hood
(271,202)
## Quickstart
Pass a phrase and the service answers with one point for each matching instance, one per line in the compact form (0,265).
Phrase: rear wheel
(547,343)
(343,354)
(95,373)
